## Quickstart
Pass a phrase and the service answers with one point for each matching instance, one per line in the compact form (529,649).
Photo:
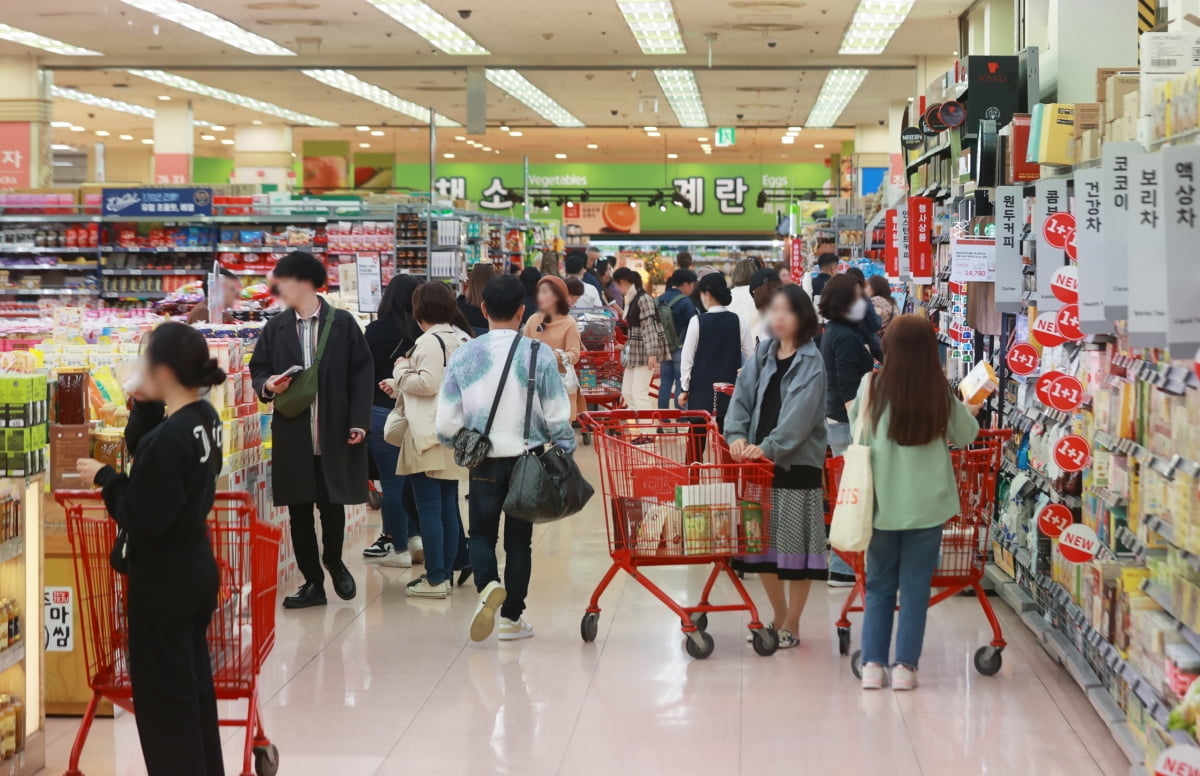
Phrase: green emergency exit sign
(726,137)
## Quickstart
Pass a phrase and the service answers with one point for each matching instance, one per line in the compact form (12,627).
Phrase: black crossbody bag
(471,447)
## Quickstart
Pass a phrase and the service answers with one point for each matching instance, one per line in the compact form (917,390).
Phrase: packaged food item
(980,383)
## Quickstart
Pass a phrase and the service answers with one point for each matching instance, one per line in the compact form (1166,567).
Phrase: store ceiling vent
(286,5)
(766,28)
(767,6)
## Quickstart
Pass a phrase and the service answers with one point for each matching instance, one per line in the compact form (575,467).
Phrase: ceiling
(580,53)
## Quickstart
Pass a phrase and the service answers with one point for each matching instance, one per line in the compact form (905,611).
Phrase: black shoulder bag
(546,485)
(471,447)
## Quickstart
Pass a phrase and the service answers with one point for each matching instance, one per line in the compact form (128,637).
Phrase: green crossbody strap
(324,337)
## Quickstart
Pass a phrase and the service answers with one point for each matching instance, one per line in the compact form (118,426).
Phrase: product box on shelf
(1117,89)
(1103,74)
(1056,135)
(67,445)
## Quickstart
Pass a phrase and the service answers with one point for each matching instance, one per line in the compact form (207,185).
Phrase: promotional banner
(905,264)
(134,203)
(1010,220)
(1147,276)
(920,241)
(1089,244)
(1181,166)
(1116,214)
(891,246)
(369,282)
(15,152)
(1051,198)
(326,165)
(603,217)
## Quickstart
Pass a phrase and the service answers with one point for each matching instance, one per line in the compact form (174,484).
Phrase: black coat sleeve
(360,383)
(260,363)
(147,500)
(144,417)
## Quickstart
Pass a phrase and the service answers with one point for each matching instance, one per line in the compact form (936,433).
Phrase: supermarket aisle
(390,685)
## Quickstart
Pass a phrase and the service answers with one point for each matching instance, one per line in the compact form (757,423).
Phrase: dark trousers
(304,532)
(174,703)
(488,488)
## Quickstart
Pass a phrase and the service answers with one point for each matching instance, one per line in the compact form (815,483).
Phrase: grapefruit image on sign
(620,217)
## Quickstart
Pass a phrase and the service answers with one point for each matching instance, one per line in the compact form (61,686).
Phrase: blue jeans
(839,440)
(437,509)
(668,379)
(903,561)
(394,516)
(488,488)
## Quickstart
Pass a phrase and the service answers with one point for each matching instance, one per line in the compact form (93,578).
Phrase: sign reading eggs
(1054,519)
(1179,760)
(1079,544)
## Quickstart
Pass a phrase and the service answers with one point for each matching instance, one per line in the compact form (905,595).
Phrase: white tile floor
(388,685)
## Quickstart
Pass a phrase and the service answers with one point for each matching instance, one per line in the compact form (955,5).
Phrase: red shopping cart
(240,637)
(663,511)
(964,544)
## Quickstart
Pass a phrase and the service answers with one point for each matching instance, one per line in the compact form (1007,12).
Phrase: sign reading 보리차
(136,203)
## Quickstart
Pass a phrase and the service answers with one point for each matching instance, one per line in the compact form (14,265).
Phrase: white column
(1069,52)
(174,142)
(262,153)
(25,111)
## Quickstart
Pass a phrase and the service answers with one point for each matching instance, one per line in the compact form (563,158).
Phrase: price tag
(1045,330)
(1072,453)
(1065,285)
(1054,519)
(1023,359)
(1067,321)
(1042,388)
(1059,230)
(1066,394)
(1078,543)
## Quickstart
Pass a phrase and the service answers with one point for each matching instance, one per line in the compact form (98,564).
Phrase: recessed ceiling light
(125,137)
(217,128)
(377,133)
(683,93)
(651,129)
(956,53)
(653,134)
(61,147)
(504,128)
(818,145)
(497,150)
(77,128)
(147,141)
(910,99)
(226,141)
(256,122)
(363,128)
(364,145)
(795,130)
(702,140)
(102,133)
(60,124)
(33,40)
(873,24)
(787,139)
(560,156)
(836,93)
(516,133)
(672,156)
(542,104)
(487,148)
(791,134)
(241,100)
(208,137)
(447,156)
(206,23)
(97,101)
(431,25)
(459,137)
(592,146)
(653,25)
(164,97)
(352,84)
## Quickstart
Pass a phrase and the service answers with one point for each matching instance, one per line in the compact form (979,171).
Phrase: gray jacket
(799,439)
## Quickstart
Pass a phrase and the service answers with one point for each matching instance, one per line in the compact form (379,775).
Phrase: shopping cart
(663,511)
(964,545)
(240,637)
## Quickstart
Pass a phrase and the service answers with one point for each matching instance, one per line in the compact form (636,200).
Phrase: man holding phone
(318,456)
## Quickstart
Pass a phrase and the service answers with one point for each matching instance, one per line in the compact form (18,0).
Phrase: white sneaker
(484,619)
(416,548)
(512,631)
(400,560)
(874,677)
(421,588)
(903,677)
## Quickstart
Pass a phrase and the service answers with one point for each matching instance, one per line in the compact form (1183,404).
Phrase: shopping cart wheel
(698,644)
(856,663)
(588,626)
(587,437)
(765,642)
(700,620)
(988,660)
(843,641)
(266,760)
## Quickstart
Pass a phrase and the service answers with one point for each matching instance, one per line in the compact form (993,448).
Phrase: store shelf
(47,292)
(5,250)
(47,218)
(12,549)
(1163,598)
(269,249)
(135,294)
(932,153)
(92,267)
(134,272)
(252,273)
(11,656)
(157,249)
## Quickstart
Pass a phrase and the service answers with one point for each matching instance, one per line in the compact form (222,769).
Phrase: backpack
(668,322)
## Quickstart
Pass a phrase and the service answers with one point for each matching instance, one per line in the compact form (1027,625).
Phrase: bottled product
(71,397)
(8,728)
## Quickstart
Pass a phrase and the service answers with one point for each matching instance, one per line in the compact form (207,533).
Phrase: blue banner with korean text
(140,203)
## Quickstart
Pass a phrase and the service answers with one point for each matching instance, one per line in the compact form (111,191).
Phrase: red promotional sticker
(1045,331)
(1065,285)
(1072,453)
(1054,519)
(1066,394)
(1044,386)
(1179,760)
(1072,251)
(1059,229)
(1067,321)
(1078,543)
(1023,359)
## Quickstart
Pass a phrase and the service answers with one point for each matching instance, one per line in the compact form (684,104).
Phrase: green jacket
(914,486)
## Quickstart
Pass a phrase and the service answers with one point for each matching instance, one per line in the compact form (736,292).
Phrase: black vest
(718,359)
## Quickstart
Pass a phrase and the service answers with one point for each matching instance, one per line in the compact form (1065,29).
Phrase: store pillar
(174,143)
(1075,37)
(25,110)
(262,153)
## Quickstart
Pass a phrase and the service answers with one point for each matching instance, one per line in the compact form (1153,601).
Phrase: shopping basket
(240,637)
(964,545)
(662,509)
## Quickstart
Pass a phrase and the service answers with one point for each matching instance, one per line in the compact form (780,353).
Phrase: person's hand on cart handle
(753,453)
(278,384)
(737,449)
(87,469)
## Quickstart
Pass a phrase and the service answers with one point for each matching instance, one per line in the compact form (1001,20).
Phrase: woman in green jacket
(911,414)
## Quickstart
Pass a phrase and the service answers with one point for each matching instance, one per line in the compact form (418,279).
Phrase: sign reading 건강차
(135,203)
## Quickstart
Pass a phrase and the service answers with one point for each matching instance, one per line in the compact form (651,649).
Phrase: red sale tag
(1023,359)
(1078,543)
(1065,285)
(1179,760)
(1044,385)
(1066,394)
(1072,453)
(1059,229)
(1054,519)
(1045,331)
(1072,251)
(1067,321)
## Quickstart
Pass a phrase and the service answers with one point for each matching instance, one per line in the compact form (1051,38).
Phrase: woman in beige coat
(430,465)
(553,325)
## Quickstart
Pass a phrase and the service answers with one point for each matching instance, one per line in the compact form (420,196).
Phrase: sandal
(786,640)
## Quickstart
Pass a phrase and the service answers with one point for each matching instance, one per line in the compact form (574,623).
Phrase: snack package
(979,384)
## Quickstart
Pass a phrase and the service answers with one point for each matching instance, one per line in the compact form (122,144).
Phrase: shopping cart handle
(725,388)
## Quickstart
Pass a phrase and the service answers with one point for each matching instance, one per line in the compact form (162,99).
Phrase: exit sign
(726,137)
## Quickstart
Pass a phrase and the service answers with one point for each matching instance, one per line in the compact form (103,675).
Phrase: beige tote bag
(854,514)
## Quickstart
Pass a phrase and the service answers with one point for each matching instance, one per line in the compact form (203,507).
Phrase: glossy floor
(388,685)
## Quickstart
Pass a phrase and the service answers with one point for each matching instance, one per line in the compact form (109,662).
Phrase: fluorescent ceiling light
(60,124)
(701,140)
(672,156)
(352,84)
(487,148)
(874,23)
(208,137)
(542,104)
(102,133)
(818,146)
(364,145)
(788,139)
(794,130)
(653,134)
(377,133)
(226,141)
(164,97)
(560,156)
(447,156)
(654,26)
(147,141)
(839,87)
(61,147)
(126,137)
(504,128)
(77,128)
(592,146)
(33,40)
(460,137)
(683,93)
(241,100)
(432,26)
(516,133)
(363,128)
(650,129)
(97,101)
(206,23)
(217,128)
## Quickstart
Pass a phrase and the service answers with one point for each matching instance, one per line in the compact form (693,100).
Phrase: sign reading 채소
(134,203)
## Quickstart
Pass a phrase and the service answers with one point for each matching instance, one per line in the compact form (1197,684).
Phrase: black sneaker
(343,582)
(382,547)
(308,595)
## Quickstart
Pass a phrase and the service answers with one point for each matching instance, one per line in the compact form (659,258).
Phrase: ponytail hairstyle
(184,351)
(625,275)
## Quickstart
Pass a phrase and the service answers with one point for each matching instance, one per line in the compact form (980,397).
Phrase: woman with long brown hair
(471,302)
(911,413)
(552,324)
